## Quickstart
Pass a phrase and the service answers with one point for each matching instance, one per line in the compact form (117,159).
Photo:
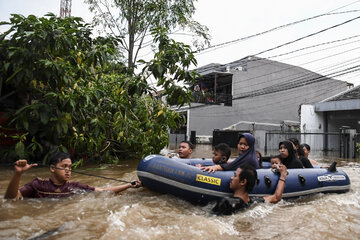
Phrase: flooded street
(142,214)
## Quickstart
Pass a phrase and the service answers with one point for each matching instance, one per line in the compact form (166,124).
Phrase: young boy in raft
(185,149)
(247,155)
(275,161)
(221,154)
(57,185)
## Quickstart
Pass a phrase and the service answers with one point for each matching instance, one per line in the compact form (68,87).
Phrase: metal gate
(338,142)
(175,138)
(357,145)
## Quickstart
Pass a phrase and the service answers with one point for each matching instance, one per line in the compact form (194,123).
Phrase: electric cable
(217,46)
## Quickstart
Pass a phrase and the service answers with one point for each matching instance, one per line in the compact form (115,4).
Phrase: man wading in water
(242,183)
(57,185)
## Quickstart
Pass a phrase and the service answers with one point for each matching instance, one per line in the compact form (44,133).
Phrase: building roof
(347,100)
(352,93)
(210,68)
(224,68)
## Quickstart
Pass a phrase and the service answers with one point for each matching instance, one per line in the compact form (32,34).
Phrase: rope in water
(98,176)
(78,172)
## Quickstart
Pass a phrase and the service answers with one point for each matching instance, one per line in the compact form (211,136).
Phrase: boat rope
(79,172)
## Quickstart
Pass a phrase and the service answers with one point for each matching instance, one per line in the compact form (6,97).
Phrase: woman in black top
(304,160)
(288,157)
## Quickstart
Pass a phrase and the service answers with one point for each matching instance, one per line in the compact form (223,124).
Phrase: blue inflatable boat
(180,177)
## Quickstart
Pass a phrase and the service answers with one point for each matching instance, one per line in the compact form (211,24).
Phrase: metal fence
(176,138)
(229,137)
(356,143)
(338,142)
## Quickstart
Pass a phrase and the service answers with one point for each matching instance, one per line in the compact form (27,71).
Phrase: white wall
(312,122)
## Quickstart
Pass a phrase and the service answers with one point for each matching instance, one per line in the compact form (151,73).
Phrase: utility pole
(65,8)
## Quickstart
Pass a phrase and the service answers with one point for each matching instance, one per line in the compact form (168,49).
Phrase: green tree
(61,88)
(134,20)
(170,67)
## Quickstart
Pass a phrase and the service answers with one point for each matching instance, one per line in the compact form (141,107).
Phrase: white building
(338,117)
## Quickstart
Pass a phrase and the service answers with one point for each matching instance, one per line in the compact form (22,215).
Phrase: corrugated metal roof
(210,68)
(350,94)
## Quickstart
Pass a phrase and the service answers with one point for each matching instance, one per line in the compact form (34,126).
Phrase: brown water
(141,214)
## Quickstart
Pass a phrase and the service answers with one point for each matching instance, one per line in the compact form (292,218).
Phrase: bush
(63,89)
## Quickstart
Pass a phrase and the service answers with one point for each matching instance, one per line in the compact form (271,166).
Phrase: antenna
(65,8)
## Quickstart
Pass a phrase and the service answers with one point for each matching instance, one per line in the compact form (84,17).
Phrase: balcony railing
(211,98)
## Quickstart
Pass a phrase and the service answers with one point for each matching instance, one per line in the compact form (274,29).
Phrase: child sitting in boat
(259,158)
(57,185)
(185,149)
(275,161)
(247,155)
(306,148)
(303,159)
(221,154)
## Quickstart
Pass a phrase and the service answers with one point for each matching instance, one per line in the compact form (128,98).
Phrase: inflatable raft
(180,177)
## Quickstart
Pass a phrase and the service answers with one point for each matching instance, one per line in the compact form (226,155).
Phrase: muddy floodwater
(142,214)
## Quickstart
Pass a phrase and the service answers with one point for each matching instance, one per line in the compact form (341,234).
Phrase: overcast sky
(229,20)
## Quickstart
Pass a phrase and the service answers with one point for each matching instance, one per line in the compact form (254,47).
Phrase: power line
(344,6)
(291,67)
(294,86)
(355,76)
(294,95)
(286,76)
(285,86)
(301,73)
(313,46)
(301,64)
(217,46)
(307,36)
(269,106)
(323,30)
(340,64)
(259,59)
(302,79)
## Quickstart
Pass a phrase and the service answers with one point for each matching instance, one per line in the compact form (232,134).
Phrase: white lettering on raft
(331,178)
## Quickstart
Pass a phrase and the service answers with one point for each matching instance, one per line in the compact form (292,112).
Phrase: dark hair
(290,147)
(295,141)
(276,156)
(300,151)
(260,160)
(306,146)
(191,146)
(249,173)
(58,157)
(250,139)
(239,137)
(224,149)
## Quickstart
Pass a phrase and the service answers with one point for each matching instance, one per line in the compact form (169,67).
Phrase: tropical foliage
(62,88)
(134,20)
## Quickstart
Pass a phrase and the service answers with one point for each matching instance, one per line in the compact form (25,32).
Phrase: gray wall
(270,108)
(331,122)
